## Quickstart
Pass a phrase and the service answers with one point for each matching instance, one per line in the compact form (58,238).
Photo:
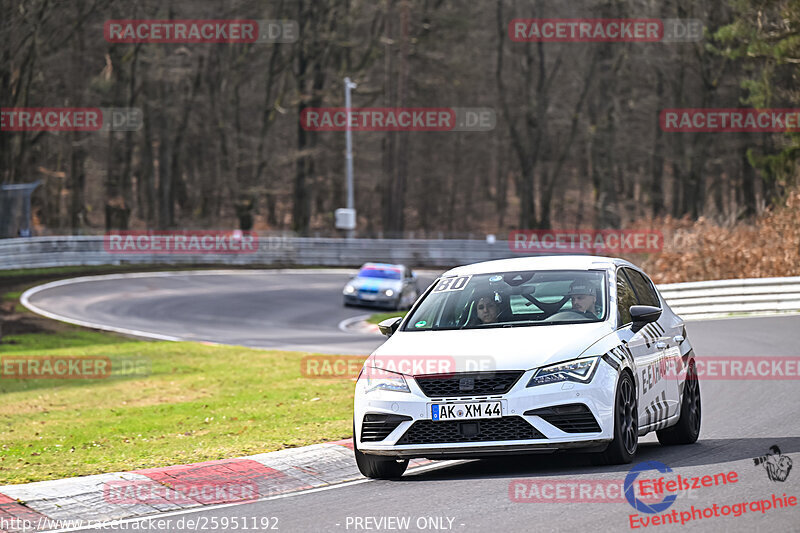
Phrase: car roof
(546,262)
(381,265)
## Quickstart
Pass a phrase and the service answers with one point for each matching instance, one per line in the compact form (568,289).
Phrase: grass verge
(198,403)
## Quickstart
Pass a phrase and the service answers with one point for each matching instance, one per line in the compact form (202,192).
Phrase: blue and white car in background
(534,354)
(382,285)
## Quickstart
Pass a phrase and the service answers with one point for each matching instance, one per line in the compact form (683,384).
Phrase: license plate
(465,411)
(368,296)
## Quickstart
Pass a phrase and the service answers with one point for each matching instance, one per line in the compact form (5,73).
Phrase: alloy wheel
(627,413)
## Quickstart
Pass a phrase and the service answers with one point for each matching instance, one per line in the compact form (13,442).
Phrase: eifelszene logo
(637,503)
(777,466)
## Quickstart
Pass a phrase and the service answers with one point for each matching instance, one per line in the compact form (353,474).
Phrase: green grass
(200,402)
(14,296)
(377,318)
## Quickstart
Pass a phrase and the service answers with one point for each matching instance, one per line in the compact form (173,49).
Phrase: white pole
(349,154)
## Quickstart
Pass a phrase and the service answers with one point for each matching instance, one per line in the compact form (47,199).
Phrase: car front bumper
(549,436)
(378,300)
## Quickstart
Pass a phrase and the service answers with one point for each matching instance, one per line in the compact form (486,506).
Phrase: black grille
(377,427)
(481,430)
(572,418)
(467,384)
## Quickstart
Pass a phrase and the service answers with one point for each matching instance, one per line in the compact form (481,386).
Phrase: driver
(584,296)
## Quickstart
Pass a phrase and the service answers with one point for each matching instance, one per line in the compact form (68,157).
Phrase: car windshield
(380,272)
(509,299)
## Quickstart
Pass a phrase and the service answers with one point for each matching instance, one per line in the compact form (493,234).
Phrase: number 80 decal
(452,284)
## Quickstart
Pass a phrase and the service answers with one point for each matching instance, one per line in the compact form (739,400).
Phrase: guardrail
(702,299)
(42,252)
(707,299)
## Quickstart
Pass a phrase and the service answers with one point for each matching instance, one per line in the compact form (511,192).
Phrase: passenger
(487,309)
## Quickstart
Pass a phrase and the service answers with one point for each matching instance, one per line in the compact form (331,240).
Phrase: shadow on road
(704,452)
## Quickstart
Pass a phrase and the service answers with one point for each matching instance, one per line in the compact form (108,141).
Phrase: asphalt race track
(256,308)
(741,419)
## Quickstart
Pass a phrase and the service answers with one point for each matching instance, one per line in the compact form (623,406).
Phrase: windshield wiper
(565,322)
(506,324)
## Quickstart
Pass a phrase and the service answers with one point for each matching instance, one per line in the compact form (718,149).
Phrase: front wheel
(375,467)
(687,429)
(626,427)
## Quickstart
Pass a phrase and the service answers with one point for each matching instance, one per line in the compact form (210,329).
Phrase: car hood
(517,348)
(379,284)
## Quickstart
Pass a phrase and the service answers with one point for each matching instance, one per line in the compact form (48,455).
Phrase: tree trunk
(77,174)
(656,192)
(749,177)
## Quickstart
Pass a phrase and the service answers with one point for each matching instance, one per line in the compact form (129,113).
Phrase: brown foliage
(701,250)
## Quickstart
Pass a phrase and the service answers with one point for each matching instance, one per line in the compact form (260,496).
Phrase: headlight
(377,379)
(389,292)
(580,370)
(349,289)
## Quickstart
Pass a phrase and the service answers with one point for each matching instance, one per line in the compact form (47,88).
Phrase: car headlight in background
(349,289)
(580,370)
(389,292)
(377,379)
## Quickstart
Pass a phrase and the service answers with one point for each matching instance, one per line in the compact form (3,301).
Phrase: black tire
(376,467)
(687,429)
(623,448)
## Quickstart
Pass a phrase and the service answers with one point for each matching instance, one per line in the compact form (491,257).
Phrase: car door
(661,376)
(665,332)
(653,405)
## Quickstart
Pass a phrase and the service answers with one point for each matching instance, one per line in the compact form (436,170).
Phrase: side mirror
(390,325)
(643,315)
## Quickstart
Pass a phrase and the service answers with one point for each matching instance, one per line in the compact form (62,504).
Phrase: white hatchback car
(527,355)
